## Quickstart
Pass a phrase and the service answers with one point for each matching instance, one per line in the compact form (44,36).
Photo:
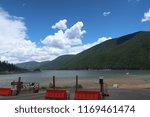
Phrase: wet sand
(129,82)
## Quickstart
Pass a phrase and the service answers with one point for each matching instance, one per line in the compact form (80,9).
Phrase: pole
(101,85)
(19,85)
(76,82)
(53,82)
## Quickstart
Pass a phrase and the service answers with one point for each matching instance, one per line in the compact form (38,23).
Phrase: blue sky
(81,24)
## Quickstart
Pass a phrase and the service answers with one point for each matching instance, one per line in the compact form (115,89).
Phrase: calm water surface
(46,75)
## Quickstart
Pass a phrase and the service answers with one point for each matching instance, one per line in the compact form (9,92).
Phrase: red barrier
(5,92)
(87,95)
(56,94)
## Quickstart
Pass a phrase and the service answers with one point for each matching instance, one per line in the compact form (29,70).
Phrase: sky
(41,30)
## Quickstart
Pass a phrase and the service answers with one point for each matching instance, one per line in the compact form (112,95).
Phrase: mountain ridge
(130,51)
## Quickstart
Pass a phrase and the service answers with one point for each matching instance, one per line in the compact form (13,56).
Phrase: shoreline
(121,79)
(93,84)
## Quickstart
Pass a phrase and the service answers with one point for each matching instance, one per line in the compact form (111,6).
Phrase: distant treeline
(7,67)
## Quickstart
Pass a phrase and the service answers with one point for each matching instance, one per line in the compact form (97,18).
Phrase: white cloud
(69,37)
(60,25)
(13,42)
(146,17)
(15,46)
(103,39)
(57,40)
(65,42)
(106,13)
(78,49)
(99,40)
(75,31)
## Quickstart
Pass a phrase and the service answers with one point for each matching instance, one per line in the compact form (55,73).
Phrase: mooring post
(76,82)
(53,82)
(101,85)
(19,85)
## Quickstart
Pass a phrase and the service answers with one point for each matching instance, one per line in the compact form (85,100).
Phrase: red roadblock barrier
(56,94)
(5,92)
(87,95)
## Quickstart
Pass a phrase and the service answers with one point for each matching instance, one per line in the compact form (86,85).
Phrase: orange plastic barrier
(5,92)
(87,95)
(56,94)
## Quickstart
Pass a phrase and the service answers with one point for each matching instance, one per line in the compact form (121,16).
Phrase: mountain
(58,63)
(31,64)
(131,51)
(28,65)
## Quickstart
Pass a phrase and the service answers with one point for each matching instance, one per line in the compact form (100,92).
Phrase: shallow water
(46,75)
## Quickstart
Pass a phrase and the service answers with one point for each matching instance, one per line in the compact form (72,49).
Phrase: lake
(45,76)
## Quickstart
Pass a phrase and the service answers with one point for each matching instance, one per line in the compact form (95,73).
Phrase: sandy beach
(128,82)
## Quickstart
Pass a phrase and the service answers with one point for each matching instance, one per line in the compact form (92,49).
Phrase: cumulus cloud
(57,40)
(66,41)
(13,42)
(78,49)
(67,38)
(146,17)
(99,40)
(75,31)
(106,13)
(60,25)
(15,47)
